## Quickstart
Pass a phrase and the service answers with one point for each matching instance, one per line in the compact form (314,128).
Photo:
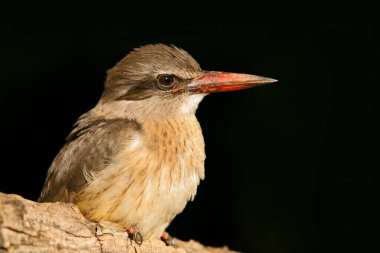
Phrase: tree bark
(27,226)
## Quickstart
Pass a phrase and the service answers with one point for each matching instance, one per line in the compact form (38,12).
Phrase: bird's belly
(159,203)
(144,188)
(149,202)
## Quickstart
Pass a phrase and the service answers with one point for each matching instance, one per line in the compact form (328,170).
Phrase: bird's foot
(169,241)
(134,234)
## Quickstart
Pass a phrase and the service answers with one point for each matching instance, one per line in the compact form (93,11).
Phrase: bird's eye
(166,81)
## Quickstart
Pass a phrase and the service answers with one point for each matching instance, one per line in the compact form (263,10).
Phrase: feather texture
(87,150)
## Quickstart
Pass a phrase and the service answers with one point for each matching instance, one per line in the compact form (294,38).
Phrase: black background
(291,167)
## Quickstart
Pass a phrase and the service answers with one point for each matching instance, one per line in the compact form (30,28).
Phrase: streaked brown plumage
(138,156)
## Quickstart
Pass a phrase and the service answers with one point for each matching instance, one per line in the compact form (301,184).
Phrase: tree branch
(27,226)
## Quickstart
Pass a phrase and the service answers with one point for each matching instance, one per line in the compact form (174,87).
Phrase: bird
(138,156)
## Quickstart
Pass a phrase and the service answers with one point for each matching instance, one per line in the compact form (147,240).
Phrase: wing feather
(87,150)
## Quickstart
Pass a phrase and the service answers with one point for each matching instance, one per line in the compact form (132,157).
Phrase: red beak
(214,81)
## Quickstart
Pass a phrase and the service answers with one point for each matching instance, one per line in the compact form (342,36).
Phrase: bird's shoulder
(88,148)
(90,123)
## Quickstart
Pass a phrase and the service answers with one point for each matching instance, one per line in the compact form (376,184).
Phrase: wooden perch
(27,226)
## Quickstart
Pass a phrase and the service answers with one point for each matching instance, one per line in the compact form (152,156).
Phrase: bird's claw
(135,235)
(169,241)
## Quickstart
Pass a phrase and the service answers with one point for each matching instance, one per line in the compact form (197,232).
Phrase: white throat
(191,103)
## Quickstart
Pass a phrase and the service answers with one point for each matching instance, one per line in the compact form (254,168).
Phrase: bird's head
(162,81)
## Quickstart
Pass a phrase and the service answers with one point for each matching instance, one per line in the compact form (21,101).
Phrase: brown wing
(86,151)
